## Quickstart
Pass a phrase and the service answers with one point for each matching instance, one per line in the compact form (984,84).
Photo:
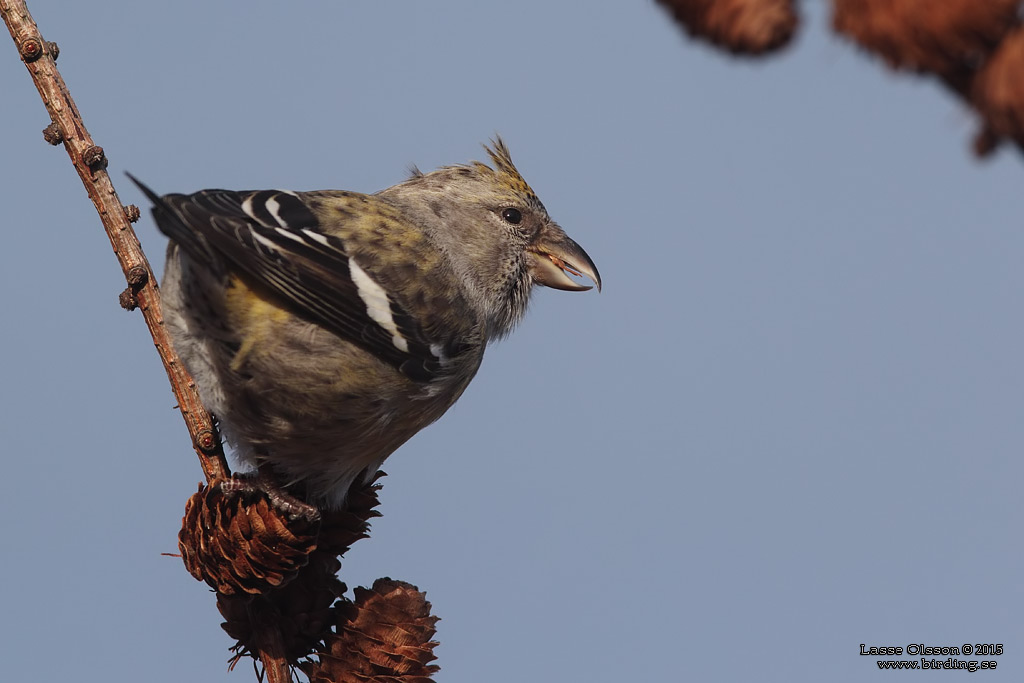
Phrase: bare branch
(143,293)
(90,161)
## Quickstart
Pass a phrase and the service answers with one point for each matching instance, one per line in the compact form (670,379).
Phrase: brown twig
(91,163)
(143,293)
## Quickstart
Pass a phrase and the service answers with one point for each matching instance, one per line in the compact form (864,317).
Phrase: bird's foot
(264,482)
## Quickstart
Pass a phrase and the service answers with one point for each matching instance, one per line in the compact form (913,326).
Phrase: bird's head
(496,232)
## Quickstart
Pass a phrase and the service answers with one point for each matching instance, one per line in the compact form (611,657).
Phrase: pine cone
(750,27)
(998,94)
(239,544)
(950,39)
(339,529)
(301,612)
(384,636)
(291,620)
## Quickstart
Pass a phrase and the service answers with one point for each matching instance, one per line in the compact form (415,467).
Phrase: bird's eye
(512,215)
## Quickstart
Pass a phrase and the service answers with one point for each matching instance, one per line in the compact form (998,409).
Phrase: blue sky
(789,425)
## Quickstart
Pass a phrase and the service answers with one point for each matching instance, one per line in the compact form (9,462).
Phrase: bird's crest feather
(505,170)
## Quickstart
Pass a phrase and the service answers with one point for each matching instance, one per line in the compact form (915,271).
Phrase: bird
(324,329)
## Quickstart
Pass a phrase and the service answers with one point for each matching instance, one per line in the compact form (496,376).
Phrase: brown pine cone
(950,39)
(383,636)
(748,27)
(237,542)
(998,94)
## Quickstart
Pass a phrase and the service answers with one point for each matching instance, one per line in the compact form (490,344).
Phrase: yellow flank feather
(254,312)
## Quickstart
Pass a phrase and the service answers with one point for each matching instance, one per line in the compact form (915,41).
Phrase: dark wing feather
(274,238)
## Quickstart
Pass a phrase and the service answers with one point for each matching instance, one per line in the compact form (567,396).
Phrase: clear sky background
(791,423)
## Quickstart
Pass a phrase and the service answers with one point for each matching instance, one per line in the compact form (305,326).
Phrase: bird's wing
(274,238)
